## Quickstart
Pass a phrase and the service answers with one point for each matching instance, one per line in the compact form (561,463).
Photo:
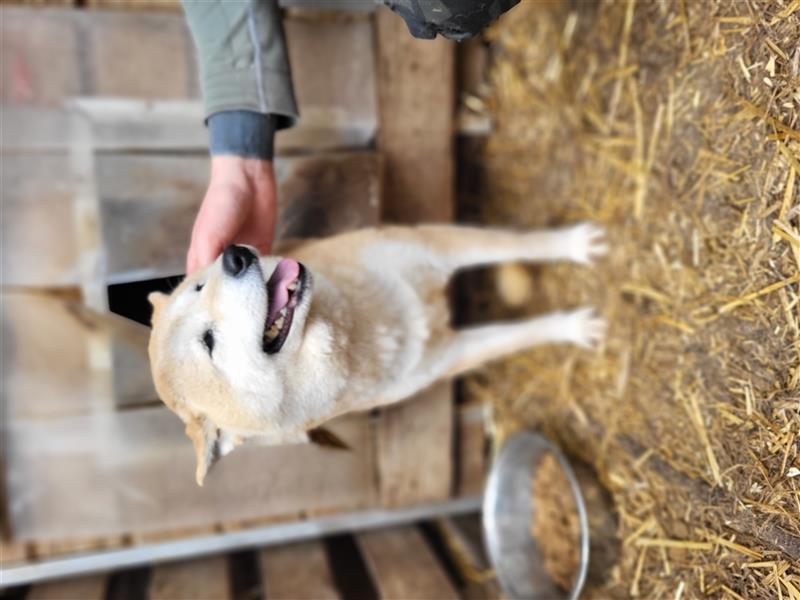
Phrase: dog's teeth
(292,286)
(272,332)
(275,329)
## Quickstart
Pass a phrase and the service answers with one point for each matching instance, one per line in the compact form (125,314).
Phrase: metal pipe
(34,571)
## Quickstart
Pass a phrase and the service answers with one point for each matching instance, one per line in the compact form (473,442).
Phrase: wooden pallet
(93,460)
(442,560)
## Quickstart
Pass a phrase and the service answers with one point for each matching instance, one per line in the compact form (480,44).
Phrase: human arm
(247,92)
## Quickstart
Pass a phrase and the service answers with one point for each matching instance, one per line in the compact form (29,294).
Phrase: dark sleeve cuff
(242,133)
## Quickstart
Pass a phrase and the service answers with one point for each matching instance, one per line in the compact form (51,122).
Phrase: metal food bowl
(507,515)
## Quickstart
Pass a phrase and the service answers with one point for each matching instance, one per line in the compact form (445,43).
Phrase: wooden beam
(471,456)
(47,368)
(403,566)
(416,100)
(11,553)
(299,571)
(40,57)
(133,472)
(415,462)
(415,114)
(203,579)
(138,55)
(333,67)
(91,587)
(136,5)
(38,237)
(169,125)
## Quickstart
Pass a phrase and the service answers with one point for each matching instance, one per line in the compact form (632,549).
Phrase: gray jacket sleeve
(244,64)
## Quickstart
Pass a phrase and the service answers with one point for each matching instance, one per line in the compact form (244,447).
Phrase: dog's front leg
(475,346)
(462,247)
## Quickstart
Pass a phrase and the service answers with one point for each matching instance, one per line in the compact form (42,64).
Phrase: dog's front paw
(586,241)
(585,328)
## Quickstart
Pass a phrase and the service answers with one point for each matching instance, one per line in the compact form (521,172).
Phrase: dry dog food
(555,525)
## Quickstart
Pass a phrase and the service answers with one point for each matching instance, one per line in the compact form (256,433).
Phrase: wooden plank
(91,587)
(414,448)
(133,472)
(11,553)
(130,125)
(136,5)
(297,572)
(327,194)
(148,204)
(47,367)
(139,55)
(203,579)
(69,547)
(147,207)
(119,124)
(175,534)
(41,3)
(415,114)
(334,72)
(403,566)
(37,225)
(38,56)
(471,462)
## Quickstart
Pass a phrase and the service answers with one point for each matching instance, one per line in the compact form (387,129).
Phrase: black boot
(454,19)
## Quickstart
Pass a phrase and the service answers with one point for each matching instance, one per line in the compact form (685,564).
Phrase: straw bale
(675,125)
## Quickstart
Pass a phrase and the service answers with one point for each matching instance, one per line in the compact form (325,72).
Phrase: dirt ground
(675,125)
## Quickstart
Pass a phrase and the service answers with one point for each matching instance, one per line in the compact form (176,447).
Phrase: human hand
(239,208)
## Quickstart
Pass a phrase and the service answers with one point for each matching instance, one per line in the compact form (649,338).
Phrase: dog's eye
(208,341)
(198,287)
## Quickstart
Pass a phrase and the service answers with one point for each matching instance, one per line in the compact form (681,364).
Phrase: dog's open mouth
(284,291)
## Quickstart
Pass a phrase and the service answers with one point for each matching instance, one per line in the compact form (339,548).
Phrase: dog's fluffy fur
(370,328)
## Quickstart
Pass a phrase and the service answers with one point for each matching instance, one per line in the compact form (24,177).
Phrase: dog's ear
(210,444)
(205,437)
(156,300)
(325,437)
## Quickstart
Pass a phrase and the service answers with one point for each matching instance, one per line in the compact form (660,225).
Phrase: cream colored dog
(273,347)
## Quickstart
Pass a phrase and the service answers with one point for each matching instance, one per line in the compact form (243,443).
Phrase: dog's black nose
(236,259)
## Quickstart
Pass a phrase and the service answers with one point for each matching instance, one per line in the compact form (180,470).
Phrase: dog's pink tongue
(285,273)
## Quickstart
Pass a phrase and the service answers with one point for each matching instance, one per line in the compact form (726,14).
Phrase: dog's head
(222,345)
